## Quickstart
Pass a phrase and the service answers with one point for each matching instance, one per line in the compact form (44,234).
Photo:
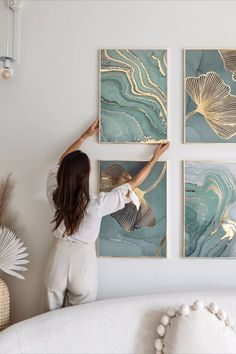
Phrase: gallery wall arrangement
(133,109)
(133,96)
(210,96)
(130,232)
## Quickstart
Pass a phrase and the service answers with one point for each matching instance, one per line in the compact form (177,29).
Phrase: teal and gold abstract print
(133,232)
(133,97)
(210,209)
(210,96)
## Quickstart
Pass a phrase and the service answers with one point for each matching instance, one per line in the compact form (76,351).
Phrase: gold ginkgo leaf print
(229,59)
(215,102)
(129,217)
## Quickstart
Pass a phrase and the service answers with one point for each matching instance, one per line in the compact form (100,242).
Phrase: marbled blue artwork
(210,209)
(210,96)
(131,232)
(133,96)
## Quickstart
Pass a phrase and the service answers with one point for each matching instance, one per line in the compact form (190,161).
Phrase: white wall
(55,96)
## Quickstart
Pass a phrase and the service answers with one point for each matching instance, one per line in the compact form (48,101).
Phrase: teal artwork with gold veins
(210,95)
(133,96)
(210,209)
(132,232)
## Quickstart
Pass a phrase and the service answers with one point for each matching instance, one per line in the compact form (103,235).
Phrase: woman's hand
(92,130)
(159,151)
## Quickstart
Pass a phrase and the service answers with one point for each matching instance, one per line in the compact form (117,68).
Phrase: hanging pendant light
(12,52)
(6,69)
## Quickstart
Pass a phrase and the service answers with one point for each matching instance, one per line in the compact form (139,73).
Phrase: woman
(71,274)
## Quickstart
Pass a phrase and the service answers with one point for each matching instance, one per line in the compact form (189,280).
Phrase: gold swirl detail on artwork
(129,72)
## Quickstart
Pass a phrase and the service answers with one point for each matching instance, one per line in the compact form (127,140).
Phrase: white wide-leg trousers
(71,274)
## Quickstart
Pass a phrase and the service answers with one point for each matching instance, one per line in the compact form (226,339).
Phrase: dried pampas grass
(8,218)
(6,187)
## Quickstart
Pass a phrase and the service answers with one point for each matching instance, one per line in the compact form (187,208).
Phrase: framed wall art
(133,96)
(210,209)
(130,232)
(210,95)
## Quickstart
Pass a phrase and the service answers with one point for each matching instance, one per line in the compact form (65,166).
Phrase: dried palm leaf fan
(12,252)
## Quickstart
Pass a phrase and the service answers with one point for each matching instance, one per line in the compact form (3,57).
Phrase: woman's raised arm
(92,130)
(142,175)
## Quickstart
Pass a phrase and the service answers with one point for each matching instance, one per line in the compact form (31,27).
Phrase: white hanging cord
(8,29)
(14,8)
(16,34)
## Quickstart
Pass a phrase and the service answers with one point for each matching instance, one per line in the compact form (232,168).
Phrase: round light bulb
(6,73)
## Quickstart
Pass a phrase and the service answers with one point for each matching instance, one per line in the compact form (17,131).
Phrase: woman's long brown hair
(71,197)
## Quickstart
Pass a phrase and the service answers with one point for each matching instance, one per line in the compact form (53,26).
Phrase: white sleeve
(51,183)
(110,202)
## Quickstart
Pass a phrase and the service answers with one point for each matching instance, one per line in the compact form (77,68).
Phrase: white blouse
(103,204)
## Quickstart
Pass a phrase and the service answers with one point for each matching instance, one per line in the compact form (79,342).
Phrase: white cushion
(196,329)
